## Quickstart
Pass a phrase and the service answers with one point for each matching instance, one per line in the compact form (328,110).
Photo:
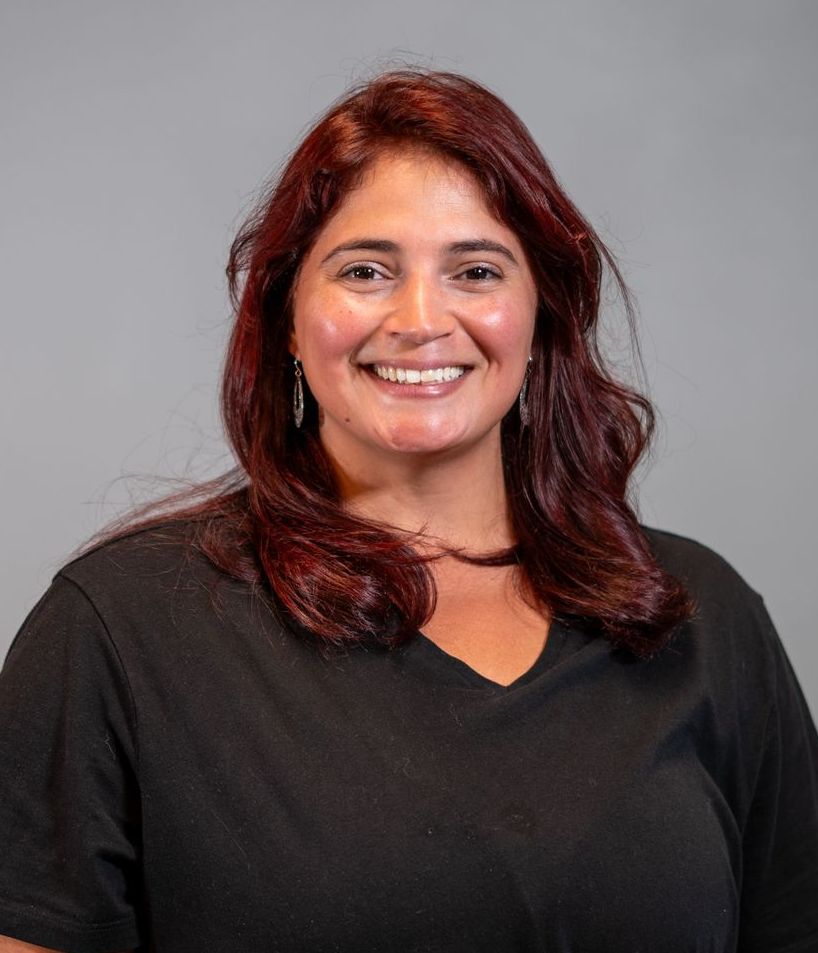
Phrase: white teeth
(407,375)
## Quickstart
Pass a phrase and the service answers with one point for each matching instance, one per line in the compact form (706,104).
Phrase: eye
(480,273)
(362,273)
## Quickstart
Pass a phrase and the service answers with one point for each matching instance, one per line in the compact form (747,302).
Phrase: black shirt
(180,771)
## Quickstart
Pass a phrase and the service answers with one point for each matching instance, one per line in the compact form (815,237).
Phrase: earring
(525,414)
(298,396)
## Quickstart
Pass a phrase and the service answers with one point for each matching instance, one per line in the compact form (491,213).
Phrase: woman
(413,678)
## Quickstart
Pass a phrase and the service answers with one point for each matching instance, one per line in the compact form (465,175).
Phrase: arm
(66,757)
(780,864)
(10,945)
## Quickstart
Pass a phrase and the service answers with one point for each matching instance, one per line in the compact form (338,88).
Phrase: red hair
(279,520)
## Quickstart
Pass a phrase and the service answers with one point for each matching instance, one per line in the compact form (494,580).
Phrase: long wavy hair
(278,521)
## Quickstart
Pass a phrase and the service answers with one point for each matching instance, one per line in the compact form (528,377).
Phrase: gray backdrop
(134,133)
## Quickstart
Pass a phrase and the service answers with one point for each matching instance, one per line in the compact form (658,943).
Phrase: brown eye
(361,273)
(480,273)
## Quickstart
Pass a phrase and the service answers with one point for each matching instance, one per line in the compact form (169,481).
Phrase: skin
(10,945)
(414,271)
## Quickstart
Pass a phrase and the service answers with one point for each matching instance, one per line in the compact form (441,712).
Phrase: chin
(427,443)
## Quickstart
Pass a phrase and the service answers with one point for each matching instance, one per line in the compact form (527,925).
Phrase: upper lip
(415,365)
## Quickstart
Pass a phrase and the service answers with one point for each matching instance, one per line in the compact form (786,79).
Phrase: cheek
(326,332)
(506,330)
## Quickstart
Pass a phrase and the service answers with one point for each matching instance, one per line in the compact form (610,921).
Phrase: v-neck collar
(562,641)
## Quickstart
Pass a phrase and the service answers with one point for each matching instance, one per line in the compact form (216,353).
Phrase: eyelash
(489,272)
(349,271)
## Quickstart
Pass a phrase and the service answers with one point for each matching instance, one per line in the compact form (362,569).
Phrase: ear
(292,346)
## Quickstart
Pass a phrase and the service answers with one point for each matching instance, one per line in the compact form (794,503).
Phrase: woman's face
(413,315)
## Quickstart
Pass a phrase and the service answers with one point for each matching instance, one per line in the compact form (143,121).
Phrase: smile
(408,375)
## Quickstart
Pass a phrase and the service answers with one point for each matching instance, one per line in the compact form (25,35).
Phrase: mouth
(415,376)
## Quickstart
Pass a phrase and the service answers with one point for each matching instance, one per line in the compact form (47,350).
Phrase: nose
(419,310)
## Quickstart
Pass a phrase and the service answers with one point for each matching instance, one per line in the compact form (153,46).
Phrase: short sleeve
(70,874)
(780,876)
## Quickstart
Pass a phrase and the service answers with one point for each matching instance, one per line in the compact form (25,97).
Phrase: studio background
(135,134)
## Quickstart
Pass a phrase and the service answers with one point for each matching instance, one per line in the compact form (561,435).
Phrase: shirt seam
(132,710)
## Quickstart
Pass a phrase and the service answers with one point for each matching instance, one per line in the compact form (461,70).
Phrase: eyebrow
(389,247)
(482,244)
(362,244)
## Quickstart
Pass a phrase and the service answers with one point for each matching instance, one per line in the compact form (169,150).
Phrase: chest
(338,807)
(482,618)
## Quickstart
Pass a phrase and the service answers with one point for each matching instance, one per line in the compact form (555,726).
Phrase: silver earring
(298,396)
(525,414)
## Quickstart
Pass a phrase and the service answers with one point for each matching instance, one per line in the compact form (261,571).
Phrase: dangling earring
(298,396)
(525,414)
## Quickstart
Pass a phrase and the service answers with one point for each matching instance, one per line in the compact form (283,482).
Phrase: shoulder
(706,573)
(136,548)
(720,592)
(731,633)
(154,554)
(165,606)
(148,573)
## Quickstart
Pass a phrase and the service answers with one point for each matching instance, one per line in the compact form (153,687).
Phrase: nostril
(418,326)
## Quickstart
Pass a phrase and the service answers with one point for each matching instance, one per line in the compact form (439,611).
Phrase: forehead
(414,190)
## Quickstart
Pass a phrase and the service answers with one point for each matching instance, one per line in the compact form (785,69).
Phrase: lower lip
(436,389)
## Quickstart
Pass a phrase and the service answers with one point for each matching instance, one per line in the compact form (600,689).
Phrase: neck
(457,501)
